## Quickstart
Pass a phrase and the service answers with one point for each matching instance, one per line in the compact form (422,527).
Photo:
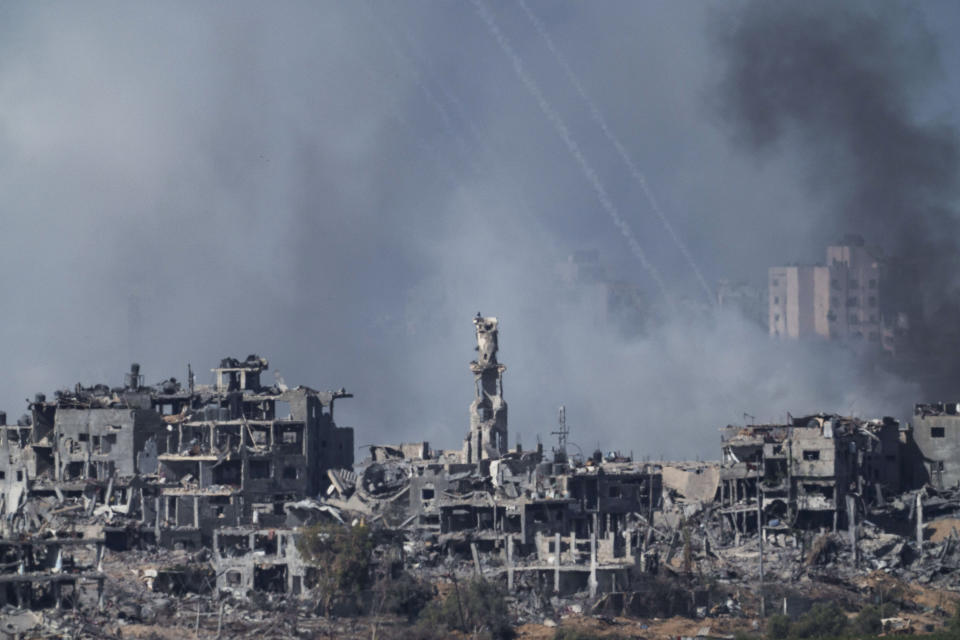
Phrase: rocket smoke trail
(554,118)
(624,155)
(421,84)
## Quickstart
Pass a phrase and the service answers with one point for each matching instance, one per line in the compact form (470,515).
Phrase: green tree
(822,621)
(478,607)
(342,557)
(868,621)
(778,626)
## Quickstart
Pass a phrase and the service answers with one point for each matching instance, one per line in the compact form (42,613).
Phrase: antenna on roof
(560,455)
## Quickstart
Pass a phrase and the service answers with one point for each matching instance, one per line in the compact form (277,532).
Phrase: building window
(873,284)
(872,301)
(776,317)
(853,302)
(774,282)
(811,454)
(835,283)
(873,337)
(427,493)
(83,437)
(259,469)
(853,319)
(854,284)
(290,473)
(776,300)
(937,432)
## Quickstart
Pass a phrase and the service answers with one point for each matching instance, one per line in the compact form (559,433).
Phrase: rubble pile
(180,507)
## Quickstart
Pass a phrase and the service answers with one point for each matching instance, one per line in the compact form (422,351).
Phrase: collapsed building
(573,523)
(163,465)
(801,474)
(238,467)
(936,431)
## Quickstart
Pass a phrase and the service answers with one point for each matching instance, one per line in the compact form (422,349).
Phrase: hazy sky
(340,187)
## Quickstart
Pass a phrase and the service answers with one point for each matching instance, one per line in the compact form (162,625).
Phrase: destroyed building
(936,431)
(549,516)
(806,469)
(225,477)
(171,463)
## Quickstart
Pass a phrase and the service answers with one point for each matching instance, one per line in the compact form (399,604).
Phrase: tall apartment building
(838,300)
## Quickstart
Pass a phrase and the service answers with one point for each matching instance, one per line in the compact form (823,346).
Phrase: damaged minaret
(487,439)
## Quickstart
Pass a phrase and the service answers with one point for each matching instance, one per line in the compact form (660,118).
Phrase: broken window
(265,543)
(83,437)
(614,491)
(427,493)
(270,578)
(937,432)
(260,469)
(811,454)
(233,578)
(291,473)
(227,472)
(290,436)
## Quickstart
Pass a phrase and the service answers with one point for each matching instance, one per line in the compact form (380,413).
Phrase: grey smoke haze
(842,86)
(341,188)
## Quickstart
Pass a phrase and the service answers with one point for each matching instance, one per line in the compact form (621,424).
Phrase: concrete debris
(183,504)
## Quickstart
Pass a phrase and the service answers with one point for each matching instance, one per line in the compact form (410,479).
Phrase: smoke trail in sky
(554,118)
(395,112)
(457,104)
(624,155)
(421,84)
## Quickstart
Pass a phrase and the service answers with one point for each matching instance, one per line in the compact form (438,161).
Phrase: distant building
(838,301)
(749,300)
(610,302)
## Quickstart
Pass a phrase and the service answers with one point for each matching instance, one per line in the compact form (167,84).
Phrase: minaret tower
(487,439)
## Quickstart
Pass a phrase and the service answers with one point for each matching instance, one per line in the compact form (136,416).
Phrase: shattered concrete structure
(219,480)
(487,439)
(581,519)
(247,559)
(37,572)
(805,470)
(169,463)
(936,431)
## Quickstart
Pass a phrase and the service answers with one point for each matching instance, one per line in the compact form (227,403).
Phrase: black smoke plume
(842,85)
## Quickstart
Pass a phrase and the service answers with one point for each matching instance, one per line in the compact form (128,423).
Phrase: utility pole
(763,604)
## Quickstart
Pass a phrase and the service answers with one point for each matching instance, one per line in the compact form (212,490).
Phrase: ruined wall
(938,438)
